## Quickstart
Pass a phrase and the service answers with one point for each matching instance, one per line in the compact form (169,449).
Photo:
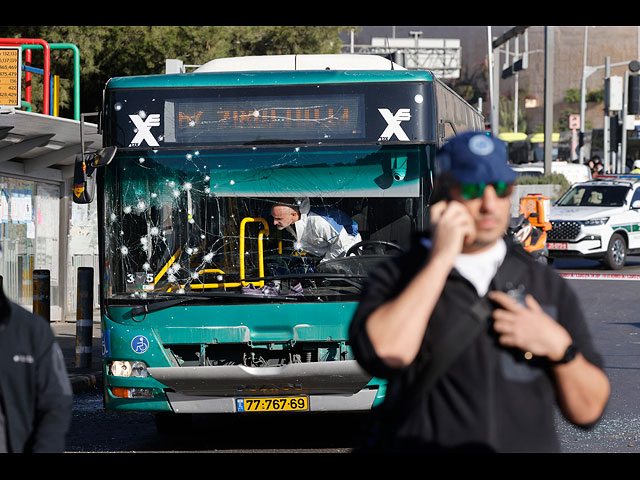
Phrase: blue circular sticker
(139,344)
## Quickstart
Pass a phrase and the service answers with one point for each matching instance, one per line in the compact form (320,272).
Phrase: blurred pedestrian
(35,393)
(598,167)
(476,339)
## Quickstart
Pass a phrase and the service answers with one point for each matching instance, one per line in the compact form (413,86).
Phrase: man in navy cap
(528,345)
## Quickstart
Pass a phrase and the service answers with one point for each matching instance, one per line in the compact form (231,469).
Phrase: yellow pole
(56,95)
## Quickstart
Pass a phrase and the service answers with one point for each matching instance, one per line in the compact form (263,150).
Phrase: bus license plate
(557,246)
(272,404)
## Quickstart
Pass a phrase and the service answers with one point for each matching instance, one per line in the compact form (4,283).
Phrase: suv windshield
(199,222)
(594,196)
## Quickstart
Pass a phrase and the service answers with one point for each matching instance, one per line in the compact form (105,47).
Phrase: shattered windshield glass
(207,221)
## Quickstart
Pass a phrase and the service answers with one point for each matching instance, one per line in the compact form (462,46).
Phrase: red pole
(27,76)
(47,64)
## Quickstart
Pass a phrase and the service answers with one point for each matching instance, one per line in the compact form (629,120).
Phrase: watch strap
(569,354)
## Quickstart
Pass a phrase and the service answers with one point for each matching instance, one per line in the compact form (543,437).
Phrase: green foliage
(111,51)
(472,83)
(572,95)
(548,179)
(596,96)
(506,107)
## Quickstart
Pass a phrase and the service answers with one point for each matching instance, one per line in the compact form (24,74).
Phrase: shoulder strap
(456,340)
(466,328)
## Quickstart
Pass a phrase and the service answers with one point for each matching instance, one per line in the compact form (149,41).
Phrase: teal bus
(205,306)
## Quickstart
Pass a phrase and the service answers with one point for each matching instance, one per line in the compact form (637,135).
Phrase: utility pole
(606,130)
(548,98)
(495,70)
(583,92)
(493,116)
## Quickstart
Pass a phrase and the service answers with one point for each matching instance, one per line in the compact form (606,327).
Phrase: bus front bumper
(329,386)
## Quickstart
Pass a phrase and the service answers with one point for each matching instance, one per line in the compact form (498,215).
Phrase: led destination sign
(266,118)
(270,115)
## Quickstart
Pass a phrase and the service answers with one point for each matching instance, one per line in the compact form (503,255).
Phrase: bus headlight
(123,368)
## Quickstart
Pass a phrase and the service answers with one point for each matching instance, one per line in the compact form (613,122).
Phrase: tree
(506,107)
(472,83)
(111,51)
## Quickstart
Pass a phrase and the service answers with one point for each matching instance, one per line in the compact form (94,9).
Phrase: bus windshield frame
(184,222)
(188,156)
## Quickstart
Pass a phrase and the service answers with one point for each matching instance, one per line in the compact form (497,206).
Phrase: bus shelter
(40,227)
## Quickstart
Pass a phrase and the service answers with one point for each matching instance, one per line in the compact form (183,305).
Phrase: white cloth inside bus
(327,233)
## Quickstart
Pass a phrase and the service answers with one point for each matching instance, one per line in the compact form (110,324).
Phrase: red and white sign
(574,122)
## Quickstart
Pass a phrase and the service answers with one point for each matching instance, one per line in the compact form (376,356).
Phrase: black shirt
(490,398)
(35,393)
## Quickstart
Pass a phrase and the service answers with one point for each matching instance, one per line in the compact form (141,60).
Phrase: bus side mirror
(84,181)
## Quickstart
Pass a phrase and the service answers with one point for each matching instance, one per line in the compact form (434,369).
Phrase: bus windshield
(199,223)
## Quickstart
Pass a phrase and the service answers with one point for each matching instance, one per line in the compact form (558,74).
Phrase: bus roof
(252,71)
(299,62)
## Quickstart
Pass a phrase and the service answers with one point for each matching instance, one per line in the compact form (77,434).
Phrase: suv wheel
(616,253)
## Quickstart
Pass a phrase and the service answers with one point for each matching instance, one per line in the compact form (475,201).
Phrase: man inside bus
(498,393)
(324,232)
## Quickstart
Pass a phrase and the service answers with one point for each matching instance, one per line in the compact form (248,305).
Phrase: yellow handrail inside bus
(261,234)
(264,231)
(200,286)
(166,266)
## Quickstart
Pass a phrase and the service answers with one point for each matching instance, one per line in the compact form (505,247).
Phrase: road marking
(601,276)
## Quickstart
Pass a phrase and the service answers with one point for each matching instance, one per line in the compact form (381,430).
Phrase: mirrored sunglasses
(470,191)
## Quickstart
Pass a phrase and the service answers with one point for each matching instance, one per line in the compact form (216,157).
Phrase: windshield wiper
(160,305)
(155,306)
(293,276)
(346,277)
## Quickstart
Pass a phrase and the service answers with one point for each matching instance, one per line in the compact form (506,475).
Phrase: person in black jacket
(35,392)
(532,347)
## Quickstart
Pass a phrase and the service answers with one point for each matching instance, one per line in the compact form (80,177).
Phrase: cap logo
(481,145)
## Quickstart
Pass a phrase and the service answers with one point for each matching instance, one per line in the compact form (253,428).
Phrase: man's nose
(489,197)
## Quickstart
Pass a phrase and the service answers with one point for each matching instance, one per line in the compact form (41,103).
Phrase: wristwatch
(569,354)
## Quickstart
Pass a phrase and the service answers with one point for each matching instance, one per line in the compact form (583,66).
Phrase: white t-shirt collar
(480,268)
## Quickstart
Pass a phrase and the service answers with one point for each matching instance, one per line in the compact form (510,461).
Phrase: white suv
(597,219)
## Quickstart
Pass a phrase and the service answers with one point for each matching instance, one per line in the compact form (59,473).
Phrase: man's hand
(453,228)
(528,327)
(583,389)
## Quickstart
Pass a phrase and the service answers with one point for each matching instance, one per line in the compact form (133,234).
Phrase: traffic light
(615,130)
(633,104)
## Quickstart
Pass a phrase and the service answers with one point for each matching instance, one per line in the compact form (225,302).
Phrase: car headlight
(596,221)
(123,368)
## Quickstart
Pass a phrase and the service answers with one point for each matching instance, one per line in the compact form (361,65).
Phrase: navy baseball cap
(475,157)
